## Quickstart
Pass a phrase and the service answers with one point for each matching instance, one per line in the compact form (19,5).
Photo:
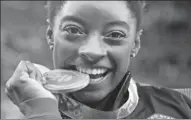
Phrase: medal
(63,81)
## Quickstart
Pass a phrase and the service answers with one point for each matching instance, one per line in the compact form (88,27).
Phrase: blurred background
(164,59)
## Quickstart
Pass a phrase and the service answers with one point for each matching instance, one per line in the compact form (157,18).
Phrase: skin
(93,42)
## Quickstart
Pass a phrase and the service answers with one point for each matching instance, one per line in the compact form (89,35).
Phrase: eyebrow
(116,23)
(74,19)
(80,20)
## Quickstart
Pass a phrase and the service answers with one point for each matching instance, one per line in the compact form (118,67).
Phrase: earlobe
(49,38)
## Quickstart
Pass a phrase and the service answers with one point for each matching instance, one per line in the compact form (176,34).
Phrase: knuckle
(8,83)
(13,84)
(7,92)
(8,87)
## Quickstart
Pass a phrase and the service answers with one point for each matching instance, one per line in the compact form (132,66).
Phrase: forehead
(109,10)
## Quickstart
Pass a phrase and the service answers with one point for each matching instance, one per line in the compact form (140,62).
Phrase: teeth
(88,71)
(99,71)
(83,70)
(93,71)
(80,69)
(102,70)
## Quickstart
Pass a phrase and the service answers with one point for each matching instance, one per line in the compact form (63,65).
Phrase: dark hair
(52,7)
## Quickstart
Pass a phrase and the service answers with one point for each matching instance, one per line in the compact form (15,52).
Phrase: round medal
(63,81)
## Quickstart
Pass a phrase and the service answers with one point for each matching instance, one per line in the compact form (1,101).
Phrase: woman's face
(96,38)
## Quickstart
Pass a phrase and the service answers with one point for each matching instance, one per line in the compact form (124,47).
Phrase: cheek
(120,57)
(64,52)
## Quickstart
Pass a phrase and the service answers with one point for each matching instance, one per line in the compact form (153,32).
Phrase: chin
(96,91)
(89,97)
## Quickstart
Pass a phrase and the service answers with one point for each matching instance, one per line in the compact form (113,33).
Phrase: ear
(137,44)
(49,38)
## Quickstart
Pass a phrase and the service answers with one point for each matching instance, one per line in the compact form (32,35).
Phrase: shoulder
(165,101)
(161,92)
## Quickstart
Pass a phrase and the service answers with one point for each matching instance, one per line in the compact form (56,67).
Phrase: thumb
(21,68)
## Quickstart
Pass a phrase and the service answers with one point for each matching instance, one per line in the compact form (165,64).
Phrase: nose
(92,50)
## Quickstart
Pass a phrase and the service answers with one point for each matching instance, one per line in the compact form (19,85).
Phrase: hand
(25,84)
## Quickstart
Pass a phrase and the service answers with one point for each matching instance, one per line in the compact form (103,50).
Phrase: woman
(99,39)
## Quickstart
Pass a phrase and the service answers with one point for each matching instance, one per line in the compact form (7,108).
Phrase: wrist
(40,107)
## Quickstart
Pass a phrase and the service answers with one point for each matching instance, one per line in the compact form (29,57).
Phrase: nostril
(91,57)
(92,54)
(84,56)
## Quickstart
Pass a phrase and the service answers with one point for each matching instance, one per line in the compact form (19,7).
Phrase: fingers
(21,67)
(12,95)
(39,76)
(34,73)
(31,70)
(9,91)
(16,82)
(27,70)
(23,84)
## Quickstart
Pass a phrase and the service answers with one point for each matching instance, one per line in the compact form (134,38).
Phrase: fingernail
(45,74)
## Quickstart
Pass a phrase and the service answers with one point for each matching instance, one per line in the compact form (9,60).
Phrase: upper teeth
(93,71)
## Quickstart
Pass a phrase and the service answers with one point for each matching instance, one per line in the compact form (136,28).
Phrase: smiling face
(96,38)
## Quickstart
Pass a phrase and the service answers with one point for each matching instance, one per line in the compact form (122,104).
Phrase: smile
(95,74)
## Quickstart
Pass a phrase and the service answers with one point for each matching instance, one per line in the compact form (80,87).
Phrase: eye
(73,30)
(115,35)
